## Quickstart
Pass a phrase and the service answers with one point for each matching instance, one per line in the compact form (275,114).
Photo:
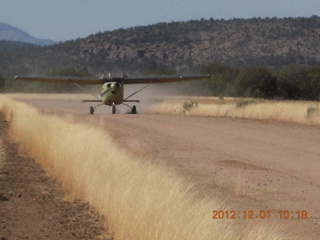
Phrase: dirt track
(254,165)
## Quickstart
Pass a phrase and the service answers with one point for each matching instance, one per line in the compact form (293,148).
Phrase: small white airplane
(112,92)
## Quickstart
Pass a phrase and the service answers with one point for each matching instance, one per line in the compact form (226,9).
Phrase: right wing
(64,79)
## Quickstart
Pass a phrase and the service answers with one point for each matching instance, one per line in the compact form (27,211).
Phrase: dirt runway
(253,165)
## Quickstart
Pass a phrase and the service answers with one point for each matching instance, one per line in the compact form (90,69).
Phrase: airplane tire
(114,109)
(134,110)
(91,110)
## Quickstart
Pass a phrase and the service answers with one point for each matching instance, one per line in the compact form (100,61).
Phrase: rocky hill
(178,46)
(10,33)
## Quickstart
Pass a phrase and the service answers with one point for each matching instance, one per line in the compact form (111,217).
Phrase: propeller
(105,92)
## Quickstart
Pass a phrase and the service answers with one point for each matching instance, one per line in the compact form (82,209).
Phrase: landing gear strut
(91,109)
(114,108)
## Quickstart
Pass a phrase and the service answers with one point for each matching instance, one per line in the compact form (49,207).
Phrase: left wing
(125,80)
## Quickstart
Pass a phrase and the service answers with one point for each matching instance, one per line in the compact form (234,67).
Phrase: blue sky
(62,20)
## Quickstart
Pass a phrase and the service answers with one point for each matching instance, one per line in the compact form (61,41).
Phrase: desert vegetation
(140,200)
(2,162)
(2,155)
(183,46)
(303,112)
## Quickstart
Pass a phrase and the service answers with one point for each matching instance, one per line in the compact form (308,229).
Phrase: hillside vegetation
(5,45)
(257,57)
(185,46)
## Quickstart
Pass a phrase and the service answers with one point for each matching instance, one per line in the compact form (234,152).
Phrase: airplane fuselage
(112,93)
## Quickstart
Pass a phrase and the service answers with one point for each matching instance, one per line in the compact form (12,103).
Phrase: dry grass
(304,112)
(2,151)
(140,200)
(2,156)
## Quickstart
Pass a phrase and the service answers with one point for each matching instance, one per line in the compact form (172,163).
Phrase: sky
(62,20)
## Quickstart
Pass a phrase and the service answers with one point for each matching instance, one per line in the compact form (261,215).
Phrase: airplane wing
(125,80)
(62,79)
(163,79)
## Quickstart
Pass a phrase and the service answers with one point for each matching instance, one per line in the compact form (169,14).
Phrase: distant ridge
(10,33)
(182,47)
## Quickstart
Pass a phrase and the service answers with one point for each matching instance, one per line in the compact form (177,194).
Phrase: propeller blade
(105,92)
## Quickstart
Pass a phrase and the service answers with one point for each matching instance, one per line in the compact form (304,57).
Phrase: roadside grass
(2,155)
(139,199)
(2,150)
(2,162)
(303,112)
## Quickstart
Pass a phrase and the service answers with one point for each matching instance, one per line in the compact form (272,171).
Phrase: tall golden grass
(140,200)
(2,151)
(2,155)
(303,112)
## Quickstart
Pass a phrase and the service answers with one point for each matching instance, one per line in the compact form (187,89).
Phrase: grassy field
(140,199)
(2,151)
(2,155)
(303,112)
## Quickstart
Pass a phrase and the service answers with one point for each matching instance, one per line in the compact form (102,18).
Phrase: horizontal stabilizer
(91,101)
(136,101)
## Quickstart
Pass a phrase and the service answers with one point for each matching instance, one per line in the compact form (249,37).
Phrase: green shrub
(189,104)
(244,102)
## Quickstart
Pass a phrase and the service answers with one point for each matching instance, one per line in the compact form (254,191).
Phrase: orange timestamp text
(262,214)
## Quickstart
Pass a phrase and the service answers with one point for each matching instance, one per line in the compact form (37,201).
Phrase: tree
(68,72)
(159,71)
(222,76)
(291,80)
(312,86)
(2,83)
(255,82)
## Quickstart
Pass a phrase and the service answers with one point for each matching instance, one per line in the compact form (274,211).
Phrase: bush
(2,83)
(255,82)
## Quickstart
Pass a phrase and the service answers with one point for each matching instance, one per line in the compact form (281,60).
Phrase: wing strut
(136,92)
(77,85)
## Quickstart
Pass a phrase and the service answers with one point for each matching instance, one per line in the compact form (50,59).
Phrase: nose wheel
(114,108)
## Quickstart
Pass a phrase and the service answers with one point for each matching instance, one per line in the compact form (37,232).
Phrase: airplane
(112,92)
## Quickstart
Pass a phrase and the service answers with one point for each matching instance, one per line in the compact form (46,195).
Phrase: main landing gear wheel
(91,110)
(134,110)
(114,108)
